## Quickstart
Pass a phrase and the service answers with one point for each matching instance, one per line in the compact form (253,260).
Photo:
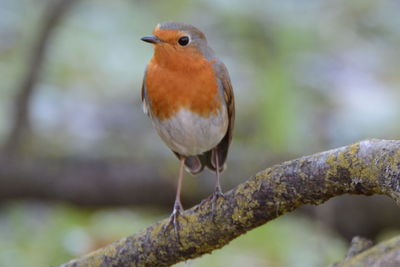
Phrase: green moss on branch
(365,168)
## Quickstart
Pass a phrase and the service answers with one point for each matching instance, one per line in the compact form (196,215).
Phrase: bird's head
(178,43)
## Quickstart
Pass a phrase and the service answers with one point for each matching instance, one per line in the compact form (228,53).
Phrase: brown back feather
(207,159)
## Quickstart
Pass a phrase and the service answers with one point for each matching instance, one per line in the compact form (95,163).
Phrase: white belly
(190,134)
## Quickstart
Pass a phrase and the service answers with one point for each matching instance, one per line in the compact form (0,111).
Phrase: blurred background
(81,166)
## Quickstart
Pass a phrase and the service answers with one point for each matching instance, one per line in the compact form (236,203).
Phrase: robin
(188,95)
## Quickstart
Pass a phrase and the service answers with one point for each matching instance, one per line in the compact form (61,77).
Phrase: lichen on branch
(365,168)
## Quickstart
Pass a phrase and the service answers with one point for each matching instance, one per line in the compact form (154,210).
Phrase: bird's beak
(151,39)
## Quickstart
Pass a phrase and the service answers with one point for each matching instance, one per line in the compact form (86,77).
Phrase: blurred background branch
(363,253)
(56,10)
(84,182)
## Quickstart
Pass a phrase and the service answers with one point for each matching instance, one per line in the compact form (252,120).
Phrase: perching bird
(188,95)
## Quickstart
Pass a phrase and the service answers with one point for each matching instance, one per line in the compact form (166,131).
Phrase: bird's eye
(183,40)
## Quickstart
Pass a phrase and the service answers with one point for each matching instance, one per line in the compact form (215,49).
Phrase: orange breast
(170,89)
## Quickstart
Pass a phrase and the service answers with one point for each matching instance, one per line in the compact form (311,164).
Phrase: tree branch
(84,181)
(365,168)
(362,253)
(53,15)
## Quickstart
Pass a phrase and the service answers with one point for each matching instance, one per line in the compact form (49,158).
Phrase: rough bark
(53,15)
(365,168)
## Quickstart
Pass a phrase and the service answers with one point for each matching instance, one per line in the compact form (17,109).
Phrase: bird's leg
(217,192)
(178,209)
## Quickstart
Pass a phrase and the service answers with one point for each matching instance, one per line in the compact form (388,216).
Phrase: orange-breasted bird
(188,95)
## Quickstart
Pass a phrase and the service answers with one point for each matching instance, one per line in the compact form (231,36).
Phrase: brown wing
(208,158)
(195,164)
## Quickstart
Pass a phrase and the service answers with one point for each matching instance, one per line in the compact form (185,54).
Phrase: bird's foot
(214,199)
(173,220)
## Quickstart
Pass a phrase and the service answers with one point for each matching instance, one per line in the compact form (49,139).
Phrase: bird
(187,93)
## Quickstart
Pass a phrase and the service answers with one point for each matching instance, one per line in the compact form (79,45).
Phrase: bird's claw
(173,220)
(215,196)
